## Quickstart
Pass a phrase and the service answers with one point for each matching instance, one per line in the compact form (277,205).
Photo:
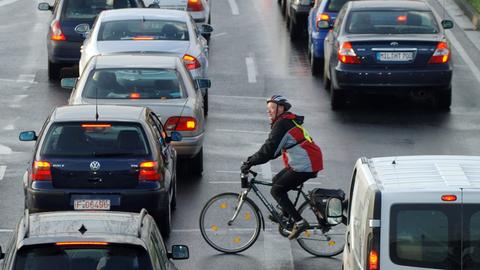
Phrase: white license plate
(91,204)
(395,56)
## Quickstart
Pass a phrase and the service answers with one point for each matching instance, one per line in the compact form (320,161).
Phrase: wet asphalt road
(251,58)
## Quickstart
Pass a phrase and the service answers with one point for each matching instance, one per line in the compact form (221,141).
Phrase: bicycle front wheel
(317,242)
(225,236)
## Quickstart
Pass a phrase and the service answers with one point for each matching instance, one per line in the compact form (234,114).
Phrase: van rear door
(470,247)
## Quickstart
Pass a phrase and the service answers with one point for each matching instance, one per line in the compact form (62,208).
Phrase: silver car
(148,30)
(158,81)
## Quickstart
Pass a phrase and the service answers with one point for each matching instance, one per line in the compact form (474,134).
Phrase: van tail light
(322,20)
(194,5)
(191,62)
(373,260)
(181,123)
(441,54)
(449,198)
(347,55)
(57,33)
(41,171)
(149,171)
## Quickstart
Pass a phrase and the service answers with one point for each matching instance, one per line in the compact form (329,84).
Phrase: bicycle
(231,222)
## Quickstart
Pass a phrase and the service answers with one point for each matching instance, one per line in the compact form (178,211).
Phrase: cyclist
(302,157)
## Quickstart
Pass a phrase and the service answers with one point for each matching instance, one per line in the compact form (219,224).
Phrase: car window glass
(339,20)
(471,245)
(160,246)
(156,130)
(134,83)
(89,9)
(143,30)
(159,126)
(335,5)
(158,261)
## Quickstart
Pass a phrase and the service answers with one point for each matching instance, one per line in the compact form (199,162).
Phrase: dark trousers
(286,180)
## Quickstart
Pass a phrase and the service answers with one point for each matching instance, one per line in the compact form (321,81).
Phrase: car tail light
(373,260)
(441,54)
(322,20)
(449,198)
(181,123)
(134,95)
(191,62)
(79,243)
(149,171)
(94,125)
(194,5)
(41,171)
(347,55)
(57,33)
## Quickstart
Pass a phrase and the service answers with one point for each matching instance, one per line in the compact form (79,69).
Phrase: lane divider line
(5,231)
(234,7)
(5,150)
(237,97)
(251,69)
(241,131)
(463,54)
(26,77)
(238,182)
(2,172)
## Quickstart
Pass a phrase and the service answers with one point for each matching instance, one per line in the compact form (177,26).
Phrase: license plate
(91,204)
(395,56)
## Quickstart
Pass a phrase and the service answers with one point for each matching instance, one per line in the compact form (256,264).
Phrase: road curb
(470,12)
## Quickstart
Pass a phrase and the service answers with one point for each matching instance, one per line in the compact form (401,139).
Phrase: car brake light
(57,33)
(81,243)
(194,5)
(373,260)
(322,20)
(135,95)
(402,19)
(181,123)
(41,171)
(143,38)
(96,125)
(441,54)
(347,55)
(149,171)
(449,198)
(191,62)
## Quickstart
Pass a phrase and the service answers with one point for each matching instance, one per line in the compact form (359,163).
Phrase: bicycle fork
(241,199)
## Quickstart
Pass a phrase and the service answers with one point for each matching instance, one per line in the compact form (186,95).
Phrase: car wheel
(164,220)
(196,163)
(283,8)
(337,98)
(444,99)
(326,80)
(205,104)
(294,31)
(173,204)
(54,71)
(316,64)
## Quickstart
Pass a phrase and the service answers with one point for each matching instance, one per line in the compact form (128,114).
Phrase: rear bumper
(200,17)
(63,52)
(188,147)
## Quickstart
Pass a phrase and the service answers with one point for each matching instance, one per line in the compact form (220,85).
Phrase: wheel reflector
(236,240)
(223,205)
(214,228)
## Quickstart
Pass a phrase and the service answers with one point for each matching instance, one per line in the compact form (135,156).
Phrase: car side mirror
(334,211)
(68,83)
(2,255)
(203,83)
(27,136)
(179,252)
(44,6)
(206,29)
(175,136)
(447,24)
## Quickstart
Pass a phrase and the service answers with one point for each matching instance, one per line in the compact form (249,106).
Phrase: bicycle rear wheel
(229,238)
(317,242)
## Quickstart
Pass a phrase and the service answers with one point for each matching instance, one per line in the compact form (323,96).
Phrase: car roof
(409,173)
(144,13)
(144,60)
(105,113)
(389,4)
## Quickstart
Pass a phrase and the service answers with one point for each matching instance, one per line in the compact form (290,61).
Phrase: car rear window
(391,22)
(134,83)
(89,9)
(94,139)
(336,5)
(143,30)
(50,256)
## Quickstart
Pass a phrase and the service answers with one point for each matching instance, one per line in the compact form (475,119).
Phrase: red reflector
(56,30)
(194,5)
(81,243)
(373,260)
(347,55)
(143,38)
(191,62)
(96,125)
(149,171)
(41,171)
(135,95)
(449,198)
(183,123)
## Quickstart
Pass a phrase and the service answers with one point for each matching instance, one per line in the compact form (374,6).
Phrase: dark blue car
(122,162)
(320,21)
(63,41)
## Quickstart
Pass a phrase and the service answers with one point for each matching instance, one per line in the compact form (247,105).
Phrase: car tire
(294,30)
(196,163)
(54,71)
(164,220)
(173,204)
(283,8)
(337,98)
(444,99)
(316,64)
(326,80)
(205,104)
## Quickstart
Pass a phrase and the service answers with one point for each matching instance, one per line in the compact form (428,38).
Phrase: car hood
(410,37)
(168,46)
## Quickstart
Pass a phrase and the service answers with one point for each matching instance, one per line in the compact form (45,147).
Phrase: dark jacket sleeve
(267,151)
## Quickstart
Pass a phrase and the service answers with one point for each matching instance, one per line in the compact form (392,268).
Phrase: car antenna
(181,113)
(96,103)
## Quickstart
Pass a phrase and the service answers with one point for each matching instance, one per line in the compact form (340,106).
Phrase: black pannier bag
(319,197)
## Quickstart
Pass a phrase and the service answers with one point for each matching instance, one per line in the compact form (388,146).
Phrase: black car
(89,241)
(63,41)
(296,12)
(388,47)
(122,161)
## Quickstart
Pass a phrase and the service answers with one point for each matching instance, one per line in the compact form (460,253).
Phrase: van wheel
(196,163)
(54,71)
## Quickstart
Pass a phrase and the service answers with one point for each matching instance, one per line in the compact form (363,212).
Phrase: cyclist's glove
(245,167)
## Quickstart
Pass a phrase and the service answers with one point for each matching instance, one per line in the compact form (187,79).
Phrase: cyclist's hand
(245,167)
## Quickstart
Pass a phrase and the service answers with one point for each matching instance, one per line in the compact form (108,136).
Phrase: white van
(414,212)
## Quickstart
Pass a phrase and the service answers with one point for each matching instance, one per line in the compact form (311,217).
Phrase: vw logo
(394,43)
(95,166)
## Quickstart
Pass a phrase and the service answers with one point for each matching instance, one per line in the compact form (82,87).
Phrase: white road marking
(463,54)
(276,257)
(251,69)
(7,2)
(234,7)
(238,182)
(198,230)
(266,171)
(218,35)
(2,172)
(17,81)
(9,127)
(18,98)
(237,97)
(26,77)
(5,230)
(5,150)
(241,131)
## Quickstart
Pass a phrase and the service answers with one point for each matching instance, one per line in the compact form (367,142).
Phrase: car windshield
(143,30)
(133,83)
(336,5)
(94,139)
(391,22)
(85,257)
(89,9)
